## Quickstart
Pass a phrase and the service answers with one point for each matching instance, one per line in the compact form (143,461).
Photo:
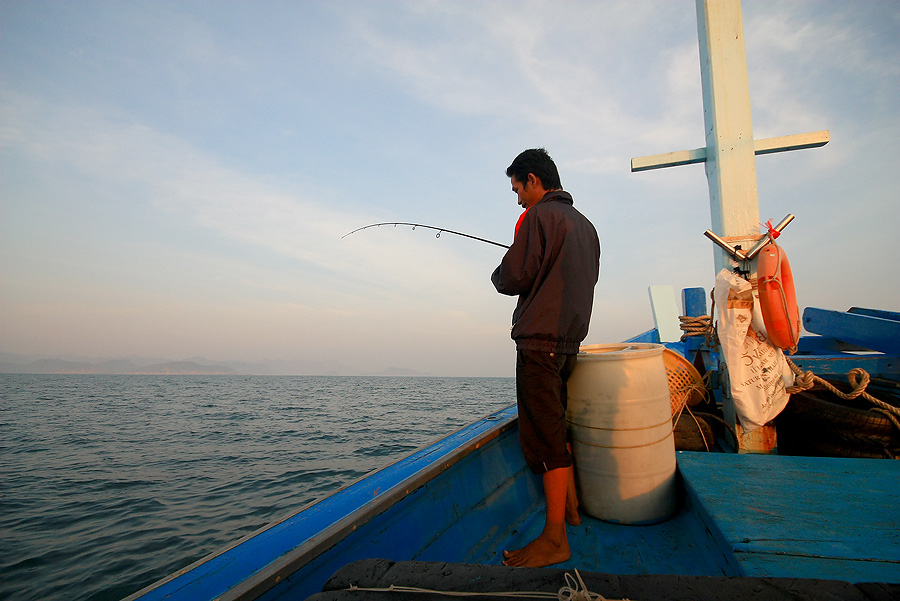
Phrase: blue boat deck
(680,545)
(758,515)
(802,517)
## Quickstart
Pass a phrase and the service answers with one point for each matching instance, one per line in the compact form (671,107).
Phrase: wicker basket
(685,383)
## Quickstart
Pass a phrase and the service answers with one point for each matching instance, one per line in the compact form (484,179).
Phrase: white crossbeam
(765,146)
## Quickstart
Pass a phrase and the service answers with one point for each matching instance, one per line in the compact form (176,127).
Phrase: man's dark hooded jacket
(552,266)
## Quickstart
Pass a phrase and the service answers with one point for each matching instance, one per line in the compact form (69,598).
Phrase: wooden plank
(892,315)
(698,155)
(694,301)
(668,159)
(872,333)
(665,313)
(802,516)
(793,142)
(879,366)
(824,345)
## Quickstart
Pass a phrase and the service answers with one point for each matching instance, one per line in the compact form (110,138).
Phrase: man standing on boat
(552,266)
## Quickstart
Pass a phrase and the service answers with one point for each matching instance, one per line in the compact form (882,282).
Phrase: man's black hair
(538,162)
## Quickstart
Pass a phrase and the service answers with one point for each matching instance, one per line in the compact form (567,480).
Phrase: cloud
(189,185)
(508,62)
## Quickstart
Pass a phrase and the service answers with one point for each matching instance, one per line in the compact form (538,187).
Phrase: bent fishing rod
(440,230)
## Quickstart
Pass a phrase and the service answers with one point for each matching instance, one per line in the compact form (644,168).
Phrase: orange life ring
(777,299)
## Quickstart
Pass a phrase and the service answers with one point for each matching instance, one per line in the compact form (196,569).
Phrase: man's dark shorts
(542,398)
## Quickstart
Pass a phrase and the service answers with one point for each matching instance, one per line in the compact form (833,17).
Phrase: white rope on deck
(574,590)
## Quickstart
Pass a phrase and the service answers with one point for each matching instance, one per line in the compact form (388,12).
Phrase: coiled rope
(696,326)
(574,590)
(701,325)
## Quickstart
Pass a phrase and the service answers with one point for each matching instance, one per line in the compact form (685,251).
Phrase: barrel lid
(620,350)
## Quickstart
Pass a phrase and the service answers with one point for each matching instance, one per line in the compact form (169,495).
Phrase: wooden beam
(765,146)
(891,315)
(665,313)
(836,367)
(862,330)
(669,159)
(813,139)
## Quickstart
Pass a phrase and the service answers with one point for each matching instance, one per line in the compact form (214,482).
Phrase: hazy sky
(175,177)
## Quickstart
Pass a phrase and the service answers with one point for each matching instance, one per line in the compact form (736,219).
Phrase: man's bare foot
(540,552)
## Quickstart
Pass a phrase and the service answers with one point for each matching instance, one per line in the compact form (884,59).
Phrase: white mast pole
(730,152)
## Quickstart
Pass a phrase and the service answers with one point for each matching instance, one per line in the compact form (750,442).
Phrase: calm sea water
(110,483)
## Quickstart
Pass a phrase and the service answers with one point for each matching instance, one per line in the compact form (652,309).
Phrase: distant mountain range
(114,366)
(18,364)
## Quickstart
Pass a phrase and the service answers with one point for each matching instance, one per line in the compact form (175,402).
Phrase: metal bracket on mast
(736,253)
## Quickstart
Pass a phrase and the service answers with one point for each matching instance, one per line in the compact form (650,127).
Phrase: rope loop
(858,378)
(577,590)
(859,387)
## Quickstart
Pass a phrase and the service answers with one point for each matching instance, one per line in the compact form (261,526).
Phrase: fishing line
(440,230)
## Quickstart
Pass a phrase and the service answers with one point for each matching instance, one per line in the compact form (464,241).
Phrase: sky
(176,178)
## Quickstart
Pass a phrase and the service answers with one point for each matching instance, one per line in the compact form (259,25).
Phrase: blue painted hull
(469,496)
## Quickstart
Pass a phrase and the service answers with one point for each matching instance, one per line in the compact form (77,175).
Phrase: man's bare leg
(551,546)
(572,516)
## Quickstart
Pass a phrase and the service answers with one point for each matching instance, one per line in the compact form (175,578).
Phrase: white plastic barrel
(620,418)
